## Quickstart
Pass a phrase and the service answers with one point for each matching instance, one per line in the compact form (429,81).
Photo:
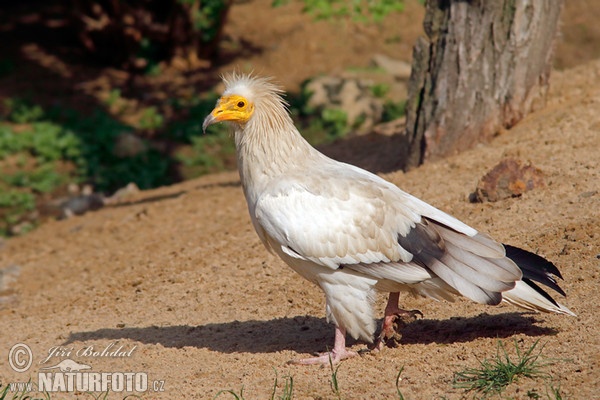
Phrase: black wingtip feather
(535,268)
(542,291)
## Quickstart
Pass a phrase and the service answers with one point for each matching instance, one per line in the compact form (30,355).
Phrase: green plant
(9,142)
(43,157)
(288,389)
(151,119)
(398,392)
(108,171)
(151,54)
(324,127)
(43,179)
(393,110)
(357,10)
(334,379)
(235,395)
(494,375)
(13,205)
(394,39)
(335,122)
(208,153)
(51,142)
(22,111)
(51,148)
(552,393)
(113,97)
(44,140)
(287,393)
(379,90)
(207,17)
(555,393)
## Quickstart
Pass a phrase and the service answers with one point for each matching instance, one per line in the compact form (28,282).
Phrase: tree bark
(483,66)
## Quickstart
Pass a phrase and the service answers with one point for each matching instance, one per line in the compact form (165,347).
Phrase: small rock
(510,178)
(397,68)
(351,95)
(128,145)
(591,193)
(79,205)
(123,193)
(395,127)
(322,89)
(73,189)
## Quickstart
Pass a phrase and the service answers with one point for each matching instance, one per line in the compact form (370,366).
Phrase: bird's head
(233,107)
(245,96)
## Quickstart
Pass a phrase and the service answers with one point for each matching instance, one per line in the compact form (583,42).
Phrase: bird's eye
(241,104)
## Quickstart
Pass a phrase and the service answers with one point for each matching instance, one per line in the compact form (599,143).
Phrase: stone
(509,178)
(397,68)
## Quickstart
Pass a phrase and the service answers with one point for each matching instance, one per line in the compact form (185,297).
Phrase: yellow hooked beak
(232,108)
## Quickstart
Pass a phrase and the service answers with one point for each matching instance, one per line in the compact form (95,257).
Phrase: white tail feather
(525,296)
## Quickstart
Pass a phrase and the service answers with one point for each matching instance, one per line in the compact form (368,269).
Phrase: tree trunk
(483,66)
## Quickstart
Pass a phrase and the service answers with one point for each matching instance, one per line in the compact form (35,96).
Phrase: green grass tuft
(398,392)
(334,380)
(287,390)
(494,375)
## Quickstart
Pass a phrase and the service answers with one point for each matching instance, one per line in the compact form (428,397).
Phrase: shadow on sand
(305,334)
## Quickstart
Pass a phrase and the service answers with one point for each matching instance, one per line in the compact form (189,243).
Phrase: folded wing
(364,223)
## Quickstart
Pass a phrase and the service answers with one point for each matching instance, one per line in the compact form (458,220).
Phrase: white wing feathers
(348,223)
(365,223)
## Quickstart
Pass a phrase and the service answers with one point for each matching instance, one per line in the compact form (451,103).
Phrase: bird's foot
(393,321)
(331,357)
(337,354)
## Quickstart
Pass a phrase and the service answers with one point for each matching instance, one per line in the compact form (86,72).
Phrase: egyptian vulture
(353,233)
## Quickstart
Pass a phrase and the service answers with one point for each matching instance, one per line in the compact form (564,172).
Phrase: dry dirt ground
(178,278)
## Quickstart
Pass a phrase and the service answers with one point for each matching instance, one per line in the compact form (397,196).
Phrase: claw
(409,316)
(394,320)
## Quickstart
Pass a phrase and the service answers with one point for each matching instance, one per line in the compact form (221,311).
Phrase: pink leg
(336,355)
(391,315)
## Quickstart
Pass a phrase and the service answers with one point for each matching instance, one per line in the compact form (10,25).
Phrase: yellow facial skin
(232,108)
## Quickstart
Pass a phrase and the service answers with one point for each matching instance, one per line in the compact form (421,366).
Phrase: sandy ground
(179,279)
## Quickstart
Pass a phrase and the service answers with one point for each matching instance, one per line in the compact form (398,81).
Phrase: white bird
(353,233)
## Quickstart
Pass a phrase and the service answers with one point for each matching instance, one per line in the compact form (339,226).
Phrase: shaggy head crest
(248,99)
(251,87)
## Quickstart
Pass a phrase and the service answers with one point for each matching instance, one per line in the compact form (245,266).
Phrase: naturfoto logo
(61,373)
